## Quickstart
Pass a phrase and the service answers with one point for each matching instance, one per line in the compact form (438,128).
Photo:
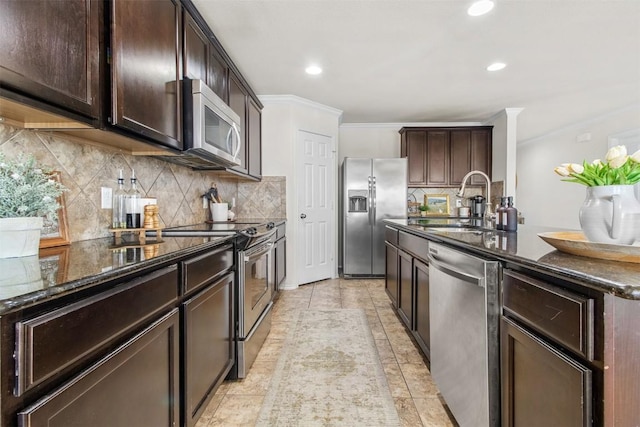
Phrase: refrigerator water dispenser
(358,200)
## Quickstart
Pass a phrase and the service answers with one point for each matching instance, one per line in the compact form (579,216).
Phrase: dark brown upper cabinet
(50,50)
(441,157)
(218,77)
(238,103)
(195,51)
(254,138)
(146,69)
(202,60)
(470,150)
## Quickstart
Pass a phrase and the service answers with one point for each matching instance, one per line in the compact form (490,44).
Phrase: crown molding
(408,124)
(293,99)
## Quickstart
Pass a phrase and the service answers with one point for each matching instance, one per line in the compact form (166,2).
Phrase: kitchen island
(568,340)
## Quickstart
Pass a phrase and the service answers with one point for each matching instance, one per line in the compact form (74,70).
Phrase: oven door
(255,285)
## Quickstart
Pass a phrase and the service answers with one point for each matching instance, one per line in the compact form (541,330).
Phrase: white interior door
(316,211)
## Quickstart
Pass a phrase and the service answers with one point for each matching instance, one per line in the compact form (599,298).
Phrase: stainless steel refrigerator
(373,190)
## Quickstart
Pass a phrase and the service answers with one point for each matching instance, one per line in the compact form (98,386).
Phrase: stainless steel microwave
(211,127)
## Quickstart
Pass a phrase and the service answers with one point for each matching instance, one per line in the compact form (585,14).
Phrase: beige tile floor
(238,403)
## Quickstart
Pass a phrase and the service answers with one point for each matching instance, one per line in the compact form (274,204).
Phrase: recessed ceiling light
(480,7)
(496,66)
(314,70)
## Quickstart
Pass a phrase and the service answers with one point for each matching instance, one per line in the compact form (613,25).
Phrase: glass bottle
(133,202)
(511,215)
(119,219)
(500,211)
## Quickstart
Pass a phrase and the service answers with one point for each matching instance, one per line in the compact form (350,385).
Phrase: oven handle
(256,255)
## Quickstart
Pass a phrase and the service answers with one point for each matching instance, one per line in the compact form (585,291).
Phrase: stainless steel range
(254,282)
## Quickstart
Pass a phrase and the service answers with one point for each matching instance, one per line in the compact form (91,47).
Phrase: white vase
(19,236)
(611,214)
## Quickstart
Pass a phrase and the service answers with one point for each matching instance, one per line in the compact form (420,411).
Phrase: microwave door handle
(237,150)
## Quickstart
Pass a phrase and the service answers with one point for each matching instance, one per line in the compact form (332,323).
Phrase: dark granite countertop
(65,269)
(526,248)
(61,270)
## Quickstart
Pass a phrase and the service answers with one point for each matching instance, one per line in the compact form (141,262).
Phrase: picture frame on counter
(438,204)
(55,232)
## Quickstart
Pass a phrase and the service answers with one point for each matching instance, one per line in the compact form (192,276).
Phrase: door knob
(303,216)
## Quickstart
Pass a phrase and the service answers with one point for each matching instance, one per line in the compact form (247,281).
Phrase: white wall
(542,197)
(369,140)
(282,118)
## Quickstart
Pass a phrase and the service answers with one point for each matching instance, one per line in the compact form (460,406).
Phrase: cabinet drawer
(49,343)
(560,314)
(391,235)
(135,385)
(200,270)
(418,246)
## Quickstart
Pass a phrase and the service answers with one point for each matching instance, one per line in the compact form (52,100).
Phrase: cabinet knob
(303,216)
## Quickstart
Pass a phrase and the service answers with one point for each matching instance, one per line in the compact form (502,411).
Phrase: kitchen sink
(456,229)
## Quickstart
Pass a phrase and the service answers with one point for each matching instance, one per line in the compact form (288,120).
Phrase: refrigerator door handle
(369,199)
(374,202)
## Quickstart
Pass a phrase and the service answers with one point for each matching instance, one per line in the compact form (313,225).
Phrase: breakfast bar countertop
(526,248)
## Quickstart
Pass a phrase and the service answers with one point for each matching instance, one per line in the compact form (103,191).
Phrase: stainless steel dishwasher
(465,312)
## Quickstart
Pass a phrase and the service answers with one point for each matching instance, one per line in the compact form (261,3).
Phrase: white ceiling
(407,61)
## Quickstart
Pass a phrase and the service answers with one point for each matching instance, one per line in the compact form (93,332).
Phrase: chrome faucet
(488,214)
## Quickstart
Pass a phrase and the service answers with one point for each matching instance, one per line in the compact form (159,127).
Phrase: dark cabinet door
(540,385)
(460,155)
(135,385)
(480,154)
(437,158)
(238,103)
(470,150)
(391,275)
(50,50)
(218,74)
(208,344)
(415,149)
(145,69)
(421,284)
(405,288)
(196,50)
(254,139)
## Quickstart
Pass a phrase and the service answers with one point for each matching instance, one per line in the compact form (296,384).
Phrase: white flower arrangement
(27,190)
(617,169)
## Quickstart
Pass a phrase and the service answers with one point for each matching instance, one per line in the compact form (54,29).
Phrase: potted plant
(27,194)
(423,210)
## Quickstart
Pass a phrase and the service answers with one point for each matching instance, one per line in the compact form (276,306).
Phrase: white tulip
(562,171)
(597,162)
(575,168)
(636,156)
(615,152)
(616,162)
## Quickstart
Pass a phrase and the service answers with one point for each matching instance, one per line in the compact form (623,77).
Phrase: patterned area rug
(329,374)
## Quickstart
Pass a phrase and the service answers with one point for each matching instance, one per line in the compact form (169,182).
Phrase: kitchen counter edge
(578,269)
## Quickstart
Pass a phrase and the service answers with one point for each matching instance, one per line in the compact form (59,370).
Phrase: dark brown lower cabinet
(135,385)
(421,315)
(405,288)
(540,385)
(391,276)
(209,350)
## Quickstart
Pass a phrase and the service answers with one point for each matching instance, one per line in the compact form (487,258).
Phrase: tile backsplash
(470,191)
(85,168)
